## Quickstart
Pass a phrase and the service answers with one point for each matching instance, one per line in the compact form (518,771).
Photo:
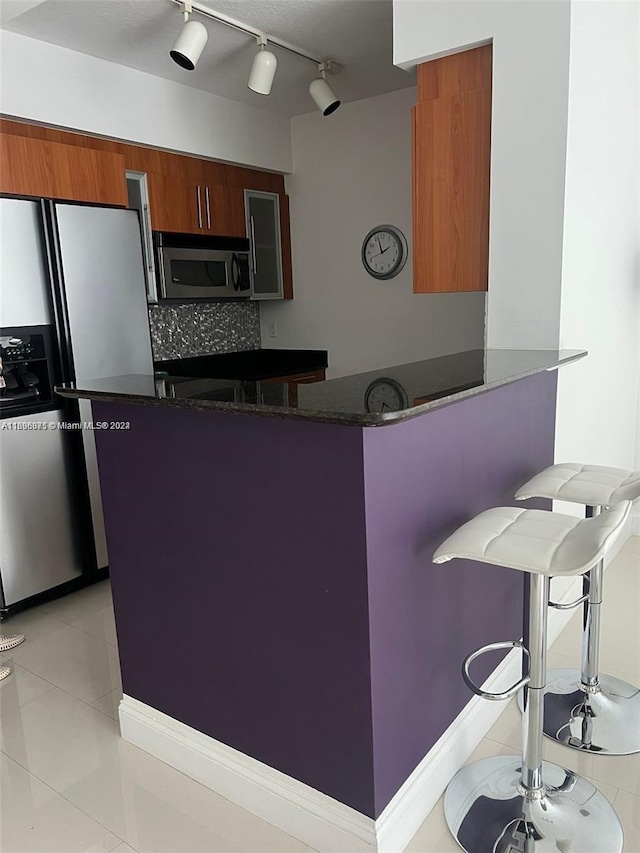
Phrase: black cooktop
(247,365)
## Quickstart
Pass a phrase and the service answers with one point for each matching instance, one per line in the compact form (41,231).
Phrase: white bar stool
(505,804)
(584,708)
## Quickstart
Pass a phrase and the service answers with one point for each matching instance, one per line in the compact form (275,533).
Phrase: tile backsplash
(183,329)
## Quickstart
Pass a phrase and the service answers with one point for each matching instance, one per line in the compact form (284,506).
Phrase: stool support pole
(591,622)
(532,718)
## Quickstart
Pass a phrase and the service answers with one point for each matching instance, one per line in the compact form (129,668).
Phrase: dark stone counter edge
(360,419)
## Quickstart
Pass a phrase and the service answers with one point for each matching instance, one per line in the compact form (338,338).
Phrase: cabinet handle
(253,246)
(146,225)
(206,198)
(199,207)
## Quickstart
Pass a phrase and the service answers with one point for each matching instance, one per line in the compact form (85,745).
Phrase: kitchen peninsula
(272,577)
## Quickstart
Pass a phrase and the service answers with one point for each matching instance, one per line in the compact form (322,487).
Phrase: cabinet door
(263,228)
(225,210)
(451,173)
(36,167)
(285,234)
(175,204)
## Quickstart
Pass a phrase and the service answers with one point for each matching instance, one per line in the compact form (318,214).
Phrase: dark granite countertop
(374,398)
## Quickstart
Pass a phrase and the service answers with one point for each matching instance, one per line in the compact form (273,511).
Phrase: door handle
(147,236)
(198,202)
(206,199)
(253,245)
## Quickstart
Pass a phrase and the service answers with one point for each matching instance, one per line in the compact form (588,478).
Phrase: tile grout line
(67,800)
(55,687)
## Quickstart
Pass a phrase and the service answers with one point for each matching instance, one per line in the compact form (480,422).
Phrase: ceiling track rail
(190,6)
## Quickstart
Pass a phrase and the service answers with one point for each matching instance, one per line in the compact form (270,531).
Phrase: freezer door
(24,281)
(38,526)
(105,291)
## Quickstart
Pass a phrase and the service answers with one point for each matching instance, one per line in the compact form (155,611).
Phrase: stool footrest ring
(491,647)
(585,597)
(570,605)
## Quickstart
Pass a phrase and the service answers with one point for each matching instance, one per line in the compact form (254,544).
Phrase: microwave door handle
(253,246)
(208,208)
(198,200)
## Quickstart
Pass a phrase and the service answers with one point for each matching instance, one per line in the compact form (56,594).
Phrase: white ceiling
(139,34)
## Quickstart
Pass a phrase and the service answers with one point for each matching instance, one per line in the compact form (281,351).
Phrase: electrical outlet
(273,329)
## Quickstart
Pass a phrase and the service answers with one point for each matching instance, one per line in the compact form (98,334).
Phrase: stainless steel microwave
(193,266)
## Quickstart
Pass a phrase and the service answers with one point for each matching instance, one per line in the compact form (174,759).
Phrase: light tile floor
(69,783)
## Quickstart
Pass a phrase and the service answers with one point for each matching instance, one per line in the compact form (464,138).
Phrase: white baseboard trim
(305,813)
(635,522)
(314,818)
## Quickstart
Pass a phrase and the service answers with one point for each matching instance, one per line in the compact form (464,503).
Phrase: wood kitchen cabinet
(285,237)
(451,173)
(295,379)
(36,167)
(183,199)
(186,194)
(173,204)
(227,210)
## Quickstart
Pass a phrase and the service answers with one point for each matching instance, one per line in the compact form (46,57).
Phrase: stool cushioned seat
(591,485)
(531,540)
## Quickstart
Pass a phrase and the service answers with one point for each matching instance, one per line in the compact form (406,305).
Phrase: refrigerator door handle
(53,257)
(147,236)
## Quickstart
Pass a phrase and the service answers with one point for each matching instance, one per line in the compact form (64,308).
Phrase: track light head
(263,69)
(323,95)
(189,44)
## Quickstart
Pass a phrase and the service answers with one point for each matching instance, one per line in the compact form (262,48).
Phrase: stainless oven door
(195,274)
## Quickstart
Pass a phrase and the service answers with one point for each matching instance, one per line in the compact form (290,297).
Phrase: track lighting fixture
(322,93)
(193,37)
(263,69)
(190,43)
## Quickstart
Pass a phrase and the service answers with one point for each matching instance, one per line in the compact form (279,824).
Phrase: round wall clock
(385,395)
(384,251)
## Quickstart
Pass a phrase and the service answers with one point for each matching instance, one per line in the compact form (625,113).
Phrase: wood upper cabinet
(186,194)
(185,199)
(285,236)
(36,167)
(227,210)
(173,204)
(451,173)
(223,201)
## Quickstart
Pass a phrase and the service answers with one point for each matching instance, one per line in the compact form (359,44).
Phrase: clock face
(384,251)
(385,395)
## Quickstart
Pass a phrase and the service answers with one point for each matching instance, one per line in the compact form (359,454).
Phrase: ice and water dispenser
(27,370)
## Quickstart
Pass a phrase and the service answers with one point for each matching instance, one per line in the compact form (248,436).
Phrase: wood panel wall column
(451,173)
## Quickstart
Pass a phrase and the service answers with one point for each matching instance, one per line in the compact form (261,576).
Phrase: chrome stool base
(487,813)
(605,722)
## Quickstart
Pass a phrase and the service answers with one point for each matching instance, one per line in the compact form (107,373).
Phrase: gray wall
(528,147)
(352,171)
(597,410)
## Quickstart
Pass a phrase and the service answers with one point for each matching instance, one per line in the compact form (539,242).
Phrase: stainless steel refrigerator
(72,290)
